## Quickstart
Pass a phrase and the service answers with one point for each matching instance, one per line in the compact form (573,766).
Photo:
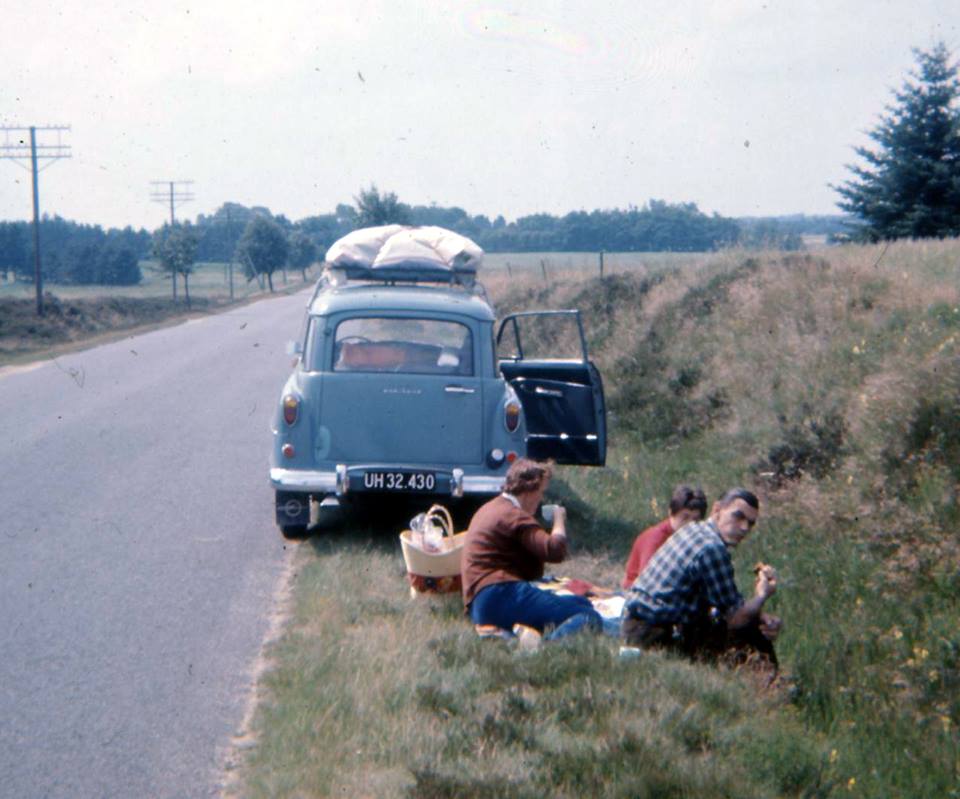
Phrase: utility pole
(230,264)
(175,192)
(16,148)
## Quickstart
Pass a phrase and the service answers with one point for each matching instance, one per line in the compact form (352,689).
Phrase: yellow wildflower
(896,633)
(945,722)
(856,350)
(851,782)
(921,653)
(833,755)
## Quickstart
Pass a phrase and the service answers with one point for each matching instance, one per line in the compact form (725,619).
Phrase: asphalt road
(138,555)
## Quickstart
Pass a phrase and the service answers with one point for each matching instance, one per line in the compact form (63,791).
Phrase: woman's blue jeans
(506,604)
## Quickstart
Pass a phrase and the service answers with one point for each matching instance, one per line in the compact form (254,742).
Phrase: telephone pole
(19,144)
(174,192)
(230,264)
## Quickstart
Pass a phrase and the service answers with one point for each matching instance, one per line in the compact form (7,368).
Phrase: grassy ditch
(826,382)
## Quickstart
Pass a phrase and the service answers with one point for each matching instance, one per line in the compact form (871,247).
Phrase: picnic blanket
(607,602)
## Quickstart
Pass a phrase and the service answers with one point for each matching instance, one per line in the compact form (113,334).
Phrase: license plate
(399,481)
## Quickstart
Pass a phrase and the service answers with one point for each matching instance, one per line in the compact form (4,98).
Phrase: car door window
(403,345)
(547,336)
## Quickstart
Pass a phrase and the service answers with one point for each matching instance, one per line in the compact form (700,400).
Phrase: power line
(20,144)
(174,192)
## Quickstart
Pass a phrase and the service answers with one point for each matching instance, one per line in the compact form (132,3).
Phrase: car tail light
(511,414)
(511,456)
(291,408)
(287,450)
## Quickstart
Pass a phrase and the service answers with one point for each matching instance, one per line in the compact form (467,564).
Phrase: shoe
(528,639)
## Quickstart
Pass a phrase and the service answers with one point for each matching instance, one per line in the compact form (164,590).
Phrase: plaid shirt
(691,572)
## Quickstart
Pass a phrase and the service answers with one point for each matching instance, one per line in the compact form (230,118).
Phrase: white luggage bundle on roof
(401,252)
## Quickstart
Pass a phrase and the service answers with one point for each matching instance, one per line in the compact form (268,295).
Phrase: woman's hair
(689,498)
(526,476)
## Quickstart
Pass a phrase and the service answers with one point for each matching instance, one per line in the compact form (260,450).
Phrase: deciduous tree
(175,247)
(303,252)
(263,248)
(375,209)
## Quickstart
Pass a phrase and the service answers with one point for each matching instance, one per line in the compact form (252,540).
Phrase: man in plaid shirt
(686,597)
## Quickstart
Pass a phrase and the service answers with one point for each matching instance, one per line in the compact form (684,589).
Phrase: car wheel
(294,532)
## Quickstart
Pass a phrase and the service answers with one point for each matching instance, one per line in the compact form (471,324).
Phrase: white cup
(547,512)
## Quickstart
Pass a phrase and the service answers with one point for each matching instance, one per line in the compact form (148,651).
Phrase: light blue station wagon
(399,390)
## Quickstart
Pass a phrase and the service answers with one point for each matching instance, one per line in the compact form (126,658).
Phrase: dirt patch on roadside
(67,321)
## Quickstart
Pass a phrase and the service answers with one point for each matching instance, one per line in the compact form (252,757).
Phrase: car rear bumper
(349,480)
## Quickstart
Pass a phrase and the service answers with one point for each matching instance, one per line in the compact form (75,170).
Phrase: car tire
(294,532)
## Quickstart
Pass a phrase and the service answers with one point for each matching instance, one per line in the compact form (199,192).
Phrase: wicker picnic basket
(433,572)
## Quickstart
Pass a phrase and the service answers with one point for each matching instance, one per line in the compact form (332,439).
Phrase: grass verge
(829,384)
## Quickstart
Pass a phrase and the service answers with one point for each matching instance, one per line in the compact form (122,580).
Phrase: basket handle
(441,514)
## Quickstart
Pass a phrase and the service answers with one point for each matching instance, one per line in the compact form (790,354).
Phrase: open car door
(543,355)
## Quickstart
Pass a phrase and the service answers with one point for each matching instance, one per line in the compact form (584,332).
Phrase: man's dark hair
(739,493)
(689,498)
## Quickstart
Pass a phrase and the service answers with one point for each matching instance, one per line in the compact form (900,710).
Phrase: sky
(744,107)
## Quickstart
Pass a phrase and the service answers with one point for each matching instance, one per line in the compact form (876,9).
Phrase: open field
(80,315)
(829,383)
(88,313)
(209,280)
(570,265)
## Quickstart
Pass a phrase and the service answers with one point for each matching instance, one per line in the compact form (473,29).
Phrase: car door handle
(547,392)
(459,390)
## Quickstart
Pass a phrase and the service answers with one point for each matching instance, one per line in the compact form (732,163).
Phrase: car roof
(416,298)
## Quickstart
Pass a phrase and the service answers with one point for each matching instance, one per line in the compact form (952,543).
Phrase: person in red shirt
(686,505)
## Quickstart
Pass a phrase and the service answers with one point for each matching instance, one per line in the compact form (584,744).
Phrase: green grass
(828,383)
(377,694)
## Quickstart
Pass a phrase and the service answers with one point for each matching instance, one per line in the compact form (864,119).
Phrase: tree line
(74,253)
(261,242)
(907,185)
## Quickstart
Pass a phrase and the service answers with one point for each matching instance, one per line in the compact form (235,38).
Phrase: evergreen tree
(14,249)
(910,186)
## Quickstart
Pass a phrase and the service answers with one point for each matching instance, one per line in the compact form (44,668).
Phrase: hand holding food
(766,585)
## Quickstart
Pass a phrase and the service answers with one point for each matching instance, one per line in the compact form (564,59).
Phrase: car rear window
(411,346)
